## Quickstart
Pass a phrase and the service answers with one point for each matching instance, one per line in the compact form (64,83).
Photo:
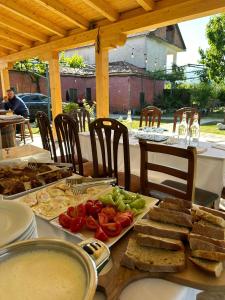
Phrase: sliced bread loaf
(199,244)
(181,202)
(214,256)
(207,239)
(212,267)
(159,242)
(174,206)
(170,216)
(215,212)
(152,259)
(161,229)
(209,217)
(208,229)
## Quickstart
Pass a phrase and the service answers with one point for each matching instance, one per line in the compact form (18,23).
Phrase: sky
(193,33)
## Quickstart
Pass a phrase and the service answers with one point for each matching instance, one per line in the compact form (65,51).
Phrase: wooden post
(102,81)
(55,84)
(5,80)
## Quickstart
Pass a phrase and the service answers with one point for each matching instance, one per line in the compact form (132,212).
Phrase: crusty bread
(209,217)
(170,216)
(161,229)
(174,206)
(199,244)
(208,229)
(220,243)
(152,259)
(159,242)
(215,212)
(212,267)
(181,202)
(210,255)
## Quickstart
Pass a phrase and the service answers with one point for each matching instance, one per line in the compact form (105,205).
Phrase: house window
(88,94)
(73,95)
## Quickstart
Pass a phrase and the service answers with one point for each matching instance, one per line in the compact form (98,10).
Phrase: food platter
(85,234)
(49,202)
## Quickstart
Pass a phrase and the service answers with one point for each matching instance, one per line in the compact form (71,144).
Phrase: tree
(37,68)
(214,57)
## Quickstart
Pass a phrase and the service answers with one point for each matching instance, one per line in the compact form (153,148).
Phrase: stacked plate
(17,222)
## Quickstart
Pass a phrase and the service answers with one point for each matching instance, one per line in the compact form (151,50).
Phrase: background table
(7,130)
(210,169)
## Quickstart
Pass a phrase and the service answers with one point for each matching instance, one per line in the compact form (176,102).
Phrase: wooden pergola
(43,28)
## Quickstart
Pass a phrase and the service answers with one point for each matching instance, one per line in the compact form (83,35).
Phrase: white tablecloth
(210,169)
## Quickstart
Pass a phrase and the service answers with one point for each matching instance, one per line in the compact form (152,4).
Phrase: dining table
(210,165)
(128,283)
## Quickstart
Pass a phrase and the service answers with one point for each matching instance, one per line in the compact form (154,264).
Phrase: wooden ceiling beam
(79,40)
(9,45)
(65,12)
(32,17)
(103,8)
(22,29)
(4,51)
(8,35)
(166,12)
(147,4)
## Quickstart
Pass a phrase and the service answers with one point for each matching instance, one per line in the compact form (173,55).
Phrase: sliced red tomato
(112,229)
(110,212)
(128,214)
(81,210)
(93,207)
(102,218)
(64,220)
(101,235)
(71,212)
(123,219)
(91,223)
(77,224)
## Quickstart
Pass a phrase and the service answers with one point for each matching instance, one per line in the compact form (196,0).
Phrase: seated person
(13,102)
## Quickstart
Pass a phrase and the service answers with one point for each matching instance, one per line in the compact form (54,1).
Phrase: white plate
(85,234)
(15,219)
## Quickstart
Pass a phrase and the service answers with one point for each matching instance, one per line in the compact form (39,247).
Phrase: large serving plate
(15,219)
(151,136)
(49,202)
(85,234)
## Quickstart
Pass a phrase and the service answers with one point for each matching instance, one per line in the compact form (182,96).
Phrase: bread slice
(209,217)
(152,259)
(174,206)
(199,244)
(170,216)
(181,202)
(208,229)
(207,239)
(211,267)
(159,242)
(161,229)
(215,212)
(214,256)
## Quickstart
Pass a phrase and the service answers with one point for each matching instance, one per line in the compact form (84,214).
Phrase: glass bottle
(129,120)
(194,132)
(183,129)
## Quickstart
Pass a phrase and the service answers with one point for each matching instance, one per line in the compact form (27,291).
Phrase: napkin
(218,146)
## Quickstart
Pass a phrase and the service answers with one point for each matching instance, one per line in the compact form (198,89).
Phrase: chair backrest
(69,142)
(109,133)
(46,134)
(190,111)
(82,116)
(188,154)
(149,114)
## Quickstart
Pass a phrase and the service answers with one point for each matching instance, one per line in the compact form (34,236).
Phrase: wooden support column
(102,47)
(5,82)
(102,82)
(55,84)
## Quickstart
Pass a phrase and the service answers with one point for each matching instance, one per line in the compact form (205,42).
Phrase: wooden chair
(46,134)
(82,116)
(23,134)
(150,114)
(190,111)
(67,130)
(169,187)
(109,132)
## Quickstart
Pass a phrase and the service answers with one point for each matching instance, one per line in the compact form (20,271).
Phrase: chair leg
(30,131)
(22,128)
